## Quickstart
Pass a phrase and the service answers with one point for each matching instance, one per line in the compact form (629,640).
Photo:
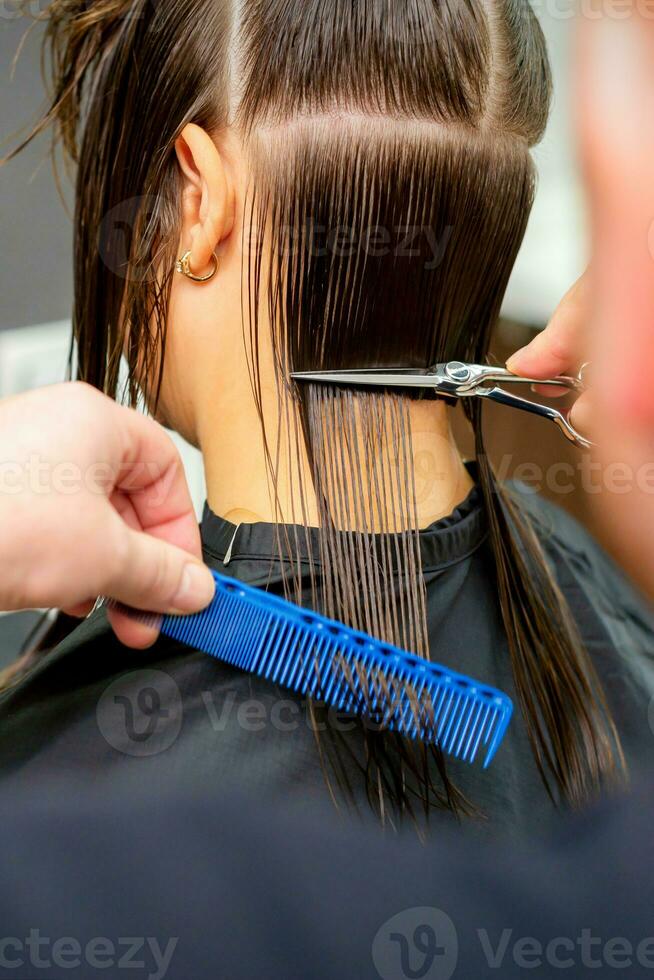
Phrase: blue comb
(347,670)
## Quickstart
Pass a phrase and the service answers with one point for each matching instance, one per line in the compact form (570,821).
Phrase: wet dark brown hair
(359,118)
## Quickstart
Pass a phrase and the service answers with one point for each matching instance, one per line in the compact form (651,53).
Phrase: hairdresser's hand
(93,501)
(562,349)
(607,317)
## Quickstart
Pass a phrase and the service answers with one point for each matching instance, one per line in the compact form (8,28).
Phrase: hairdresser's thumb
(559,348)
(584,415)
(149,574)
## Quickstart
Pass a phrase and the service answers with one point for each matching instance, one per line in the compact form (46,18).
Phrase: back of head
(391,156)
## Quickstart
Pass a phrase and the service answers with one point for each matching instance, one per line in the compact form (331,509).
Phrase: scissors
(459,380)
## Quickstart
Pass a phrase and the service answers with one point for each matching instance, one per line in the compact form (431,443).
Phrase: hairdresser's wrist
(93,500)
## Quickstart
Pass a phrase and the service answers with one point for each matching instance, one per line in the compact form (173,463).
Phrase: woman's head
(387,143)
(362,169)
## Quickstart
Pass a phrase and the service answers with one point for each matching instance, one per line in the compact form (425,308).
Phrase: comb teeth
(315,657)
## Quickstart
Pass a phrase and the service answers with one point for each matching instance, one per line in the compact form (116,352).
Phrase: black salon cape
(199,882)
(97,712)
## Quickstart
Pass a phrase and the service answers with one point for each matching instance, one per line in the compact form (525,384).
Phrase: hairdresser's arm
(608,317)
(93,501)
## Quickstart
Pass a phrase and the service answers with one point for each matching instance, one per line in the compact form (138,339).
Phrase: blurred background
(36,270)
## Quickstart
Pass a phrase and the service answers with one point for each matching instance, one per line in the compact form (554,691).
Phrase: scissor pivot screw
(459,372)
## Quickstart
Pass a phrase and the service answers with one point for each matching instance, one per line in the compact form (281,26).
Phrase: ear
(208,196)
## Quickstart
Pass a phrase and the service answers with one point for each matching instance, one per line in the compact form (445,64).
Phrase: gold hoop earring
(183,266)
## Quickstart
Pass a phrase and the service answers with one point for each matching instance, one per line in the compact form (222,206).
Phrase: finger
(143,572)
(584,414)
(550,391)
(559,348)
(80,611)
(151,477)
(124,507)
(131,633)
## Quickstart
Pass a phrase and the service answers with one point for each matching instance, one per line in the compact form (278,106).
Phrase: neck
(238,480)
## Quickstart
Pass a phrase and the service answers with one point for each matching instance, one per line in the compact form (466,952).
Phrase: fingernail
(513,361)
(582,416)
(196,589)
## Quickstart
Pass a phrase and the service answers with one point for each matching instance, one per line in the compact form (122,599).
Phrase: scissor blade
(374,378)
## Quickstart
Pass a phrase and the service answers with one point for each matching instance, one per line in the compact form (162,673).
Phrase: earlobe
(208,197)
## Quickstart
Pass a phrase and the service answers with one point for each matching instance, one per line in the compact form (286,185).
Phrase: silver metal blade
(374,378)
